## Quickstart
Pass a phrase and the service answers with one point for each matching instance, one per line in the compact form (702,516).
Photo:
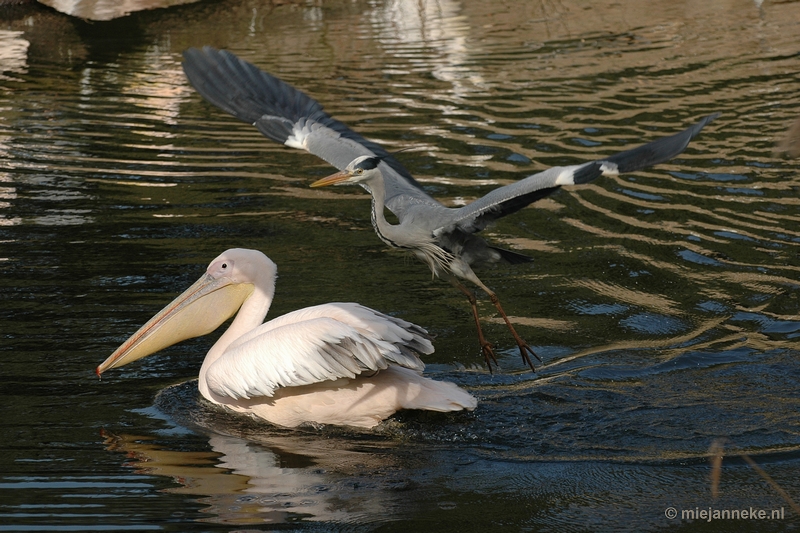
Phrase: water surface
(663,303)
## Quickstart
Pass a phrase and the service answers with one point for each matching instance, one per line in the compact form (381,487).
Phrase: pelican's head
(229,280)
(360,170)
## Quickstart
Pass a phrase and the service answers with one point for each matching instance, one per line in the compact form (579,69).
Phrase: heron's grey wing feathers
(289,116)
(510,198)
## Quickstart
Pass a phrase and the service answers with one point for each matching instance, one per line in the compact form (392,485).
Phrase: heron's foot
(488,354)
(524,350)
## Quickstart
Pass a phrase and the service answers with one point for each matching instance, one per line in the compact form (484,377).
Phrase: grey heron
(445,238)
(335,363)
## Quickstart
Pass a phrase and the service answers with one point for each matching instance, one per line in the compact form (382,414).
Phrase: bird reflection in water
(244,482)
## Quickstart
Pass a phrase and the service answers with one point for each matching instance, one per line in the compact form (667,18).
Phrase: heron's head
(360,170)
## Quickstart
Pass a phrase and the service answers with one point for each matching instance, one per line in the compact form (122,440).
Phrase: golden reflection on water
(245,482)
(13,53)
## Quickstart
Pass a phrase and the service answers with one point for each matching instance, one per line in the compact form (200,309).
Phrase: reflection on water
(408,472)
(663,303)
(244,482)
(13,53)
(108,9)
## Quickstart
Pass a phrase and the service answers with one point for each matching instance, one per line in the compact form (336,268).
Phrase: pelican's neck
(251,315)
(382,227)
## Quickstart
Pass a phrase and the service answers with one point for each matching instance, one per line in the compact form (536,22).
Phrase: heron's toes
(524,349)
(488,354)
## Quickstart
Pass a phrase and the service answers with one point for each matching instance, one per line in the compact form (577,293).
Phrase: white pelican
(336,363)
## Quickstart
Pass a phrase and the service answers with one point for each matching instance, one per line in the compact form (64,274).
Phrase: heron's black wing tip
(660,150)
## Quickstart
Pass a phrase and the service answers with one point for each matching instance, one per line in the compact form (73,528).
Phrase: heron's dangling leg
(486,347)
(524,349)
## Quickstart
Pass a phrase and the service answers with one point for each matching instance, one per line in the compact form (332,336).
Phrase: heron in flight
(444,238)
(336,363)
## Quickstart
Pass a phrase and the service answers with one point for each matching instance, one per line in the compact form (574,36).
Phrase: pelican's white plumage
(336,363)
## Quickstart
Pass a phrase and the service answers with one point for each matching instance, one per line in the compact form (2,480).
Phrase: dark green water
(663,303)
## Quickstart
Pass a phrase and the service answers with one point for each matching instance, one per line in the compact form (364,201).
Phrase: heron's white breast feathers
(429,252)
(312,345)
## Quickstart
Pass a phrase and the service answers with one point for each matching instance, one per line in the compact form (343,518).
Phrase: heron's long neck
(250,316)
(379,222)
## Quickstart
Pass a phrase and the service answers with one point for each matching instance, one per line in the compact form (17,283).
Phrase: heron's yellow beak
(333,179)
(201,309)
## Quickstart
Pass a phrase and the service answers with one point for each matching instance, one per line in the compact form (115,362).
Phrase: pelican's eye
(220,268)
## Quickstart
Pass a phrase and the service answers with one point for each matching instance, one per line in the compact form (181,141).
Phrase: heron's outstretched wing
(510,198)
(316,344)
(289,116)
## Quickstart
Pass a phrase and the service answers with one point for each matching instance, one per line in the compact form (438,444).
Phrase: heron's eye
(359,171)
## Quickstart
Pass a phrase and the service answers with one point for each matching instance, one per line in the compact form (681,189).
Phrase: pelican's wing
(289,116)
(510,198)
(316,344)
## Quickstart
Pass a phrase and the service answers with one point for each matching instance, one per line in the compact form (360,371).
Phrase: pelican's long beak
(333,179)
(201,309)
